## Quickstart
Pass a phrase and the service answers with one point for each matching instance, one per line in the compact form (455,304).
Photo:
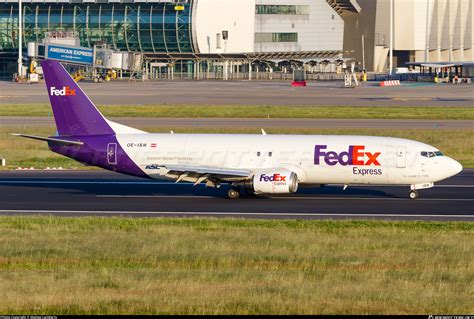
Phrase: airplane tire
(414,195)
(233,193)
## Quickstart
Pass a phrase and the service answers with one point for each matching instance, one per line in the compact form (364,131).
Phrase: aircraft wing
(198,174)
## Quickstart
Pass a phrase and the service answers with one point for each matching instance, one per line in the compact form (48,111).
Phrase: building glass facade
(157,27)
(275,37)
(282,9)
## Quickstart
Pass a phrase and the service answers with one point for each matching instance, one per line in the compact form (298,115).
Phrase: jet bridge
(97,61)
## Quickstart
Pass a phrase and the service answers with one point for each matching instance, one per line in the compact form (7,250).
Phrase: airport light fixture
(428,26)
(20,43)
(391,38)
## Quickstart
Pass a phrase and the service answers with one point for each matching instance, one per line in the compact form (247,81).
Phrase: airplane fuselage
(315,159)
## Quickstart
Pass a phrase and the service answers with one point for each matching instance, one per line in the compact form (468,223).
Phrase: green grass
(457,143)
(252,111)
(209,266)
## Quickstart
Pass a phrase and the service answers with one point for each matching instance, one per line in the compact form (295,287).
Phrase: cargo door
(401,156)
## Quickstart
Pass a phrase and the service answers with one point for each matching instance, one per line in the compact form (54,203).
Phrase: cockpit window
(431,154)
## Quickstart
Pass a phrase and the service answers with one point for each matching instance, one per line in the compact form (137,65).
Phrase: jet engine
(277,181)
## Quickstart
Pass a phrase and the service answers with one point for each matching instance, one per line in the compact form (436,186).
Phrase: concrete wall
(357,25)
(321,30)
(213,16)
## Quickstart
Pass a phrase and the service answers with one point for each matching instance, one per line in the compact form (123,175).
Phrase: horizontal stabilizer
(50,139)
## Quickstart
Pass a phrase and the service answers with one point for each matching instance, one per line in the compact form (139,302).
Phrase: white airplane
(259,164)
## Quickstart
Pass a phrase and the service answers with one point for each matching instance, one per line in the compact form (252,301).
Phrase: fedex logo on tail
(355,155)
(65,91)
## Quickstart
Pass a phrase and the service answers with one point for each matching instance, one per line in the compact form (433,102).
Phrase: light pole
(20,35)
(391,38)
(428,26)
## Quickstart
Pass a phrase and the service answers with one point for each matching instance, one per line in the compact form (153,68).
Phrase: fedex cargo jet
(258,164)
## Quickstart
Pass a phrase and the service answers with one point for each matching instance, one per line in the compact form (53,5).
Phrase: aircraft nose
(453,167)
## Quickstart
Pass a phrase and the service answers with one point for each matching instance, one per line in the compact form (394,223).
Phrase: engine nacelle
(276,181)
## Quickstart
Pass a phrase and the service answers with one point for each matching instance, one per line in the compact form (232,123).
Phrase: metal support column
(225,72)
(250,71)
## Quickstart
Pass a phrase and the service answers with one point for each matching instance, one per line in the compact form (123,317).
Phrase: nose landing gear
(414,194)
(414,189)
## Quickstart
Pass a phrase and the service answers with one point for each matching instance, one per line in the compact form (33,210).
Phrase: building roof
(344,5)
(89,1)
(446,64)
(263,56)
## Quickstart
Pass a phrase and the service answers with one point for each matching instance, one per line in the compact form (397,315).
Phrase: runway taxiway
(97,193)
(258,92)
(177,123)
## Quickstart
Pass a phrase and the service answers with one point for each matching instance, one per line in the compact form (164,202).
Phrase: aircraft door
(112,153)
(401,156)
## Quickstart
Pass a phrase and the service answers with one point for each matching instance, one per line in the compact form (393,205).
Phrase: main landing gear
(233,193)
(414,194)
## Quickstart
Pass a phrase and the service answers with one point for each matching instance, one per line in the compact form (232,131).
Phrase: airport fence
(414,77)
(245,76)
(409,77)
(285,76)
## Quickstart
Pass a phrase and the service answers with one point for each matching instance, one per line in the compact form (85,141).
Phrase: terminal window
(276,37)
(281,9)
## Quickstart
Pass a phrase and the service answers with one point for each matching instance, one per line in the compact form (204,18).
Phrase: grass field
(25,153)
(204,266)
(251,111)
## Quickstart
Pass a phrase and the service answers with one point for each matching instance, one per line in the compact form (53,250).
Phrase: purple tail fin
(73,111)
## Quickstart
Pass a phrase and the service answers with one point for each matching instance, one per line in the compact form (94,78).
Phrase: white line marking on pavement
(372,198)
(155,196)
(378,185)
(91,183)
(456,186)
(222,213)
(287,197)
(181,184)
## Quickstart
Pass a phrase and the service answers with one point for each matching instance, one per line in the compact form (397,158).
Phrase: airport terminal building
(182,29)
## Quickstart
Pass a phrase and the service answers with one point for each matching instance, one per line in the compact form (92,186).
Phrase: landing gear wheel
(233,193)
(414,195)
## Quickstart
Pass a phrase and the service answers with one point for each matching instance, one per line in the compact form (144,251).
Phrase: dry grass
(261,111)
(457,143)
(205,266)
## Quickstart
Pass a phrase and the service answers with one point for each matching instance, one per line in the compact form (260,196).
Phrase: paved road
(176,123)
(109,194)
(250,93)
